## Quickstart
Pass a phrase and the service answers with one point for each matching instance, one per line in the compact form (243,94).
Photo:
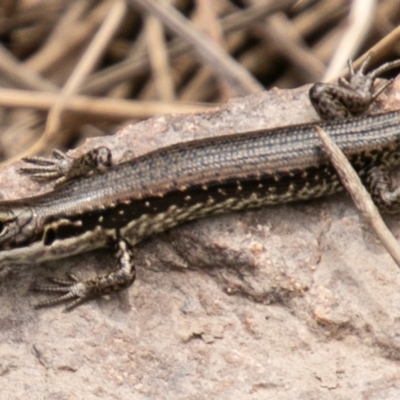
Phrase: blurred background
(74,69)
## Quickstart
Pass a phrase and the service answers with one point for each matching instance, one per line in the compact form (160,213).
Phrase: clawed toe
(71,291)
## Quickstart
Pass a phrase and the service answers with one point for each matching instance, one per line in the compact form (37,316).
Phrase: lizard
(95,204)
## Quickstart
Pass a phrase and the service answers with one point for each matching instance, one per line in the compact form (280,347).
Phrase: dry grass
(69,70)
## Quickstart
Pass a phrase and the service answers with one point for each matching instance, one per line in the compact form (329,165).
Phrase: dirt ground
(294,301)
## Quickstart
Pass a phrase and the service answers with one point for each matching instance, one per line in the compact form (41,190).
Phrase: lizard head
(15,225)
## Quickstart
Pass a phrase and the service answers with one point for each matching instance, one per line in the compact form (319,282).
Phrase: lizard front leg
(76,292)
(64,168)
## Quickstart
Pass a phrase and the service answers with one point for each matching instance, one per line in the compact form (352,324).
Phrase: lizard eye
(6,219)
(3,228)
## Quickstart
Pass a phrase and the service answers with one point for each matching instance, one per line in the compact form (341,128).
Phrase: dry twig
(362,199)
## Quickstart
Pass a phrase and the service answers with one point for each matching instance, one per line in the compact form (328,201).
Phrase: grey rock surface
(297,301)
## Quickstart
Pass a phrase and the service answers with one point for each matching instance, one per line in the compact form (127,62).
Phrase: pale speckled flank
(150,224)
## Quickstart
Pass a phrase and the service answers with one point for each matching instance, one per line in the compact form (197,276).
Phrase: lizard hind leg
(350,97)
(384,195)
